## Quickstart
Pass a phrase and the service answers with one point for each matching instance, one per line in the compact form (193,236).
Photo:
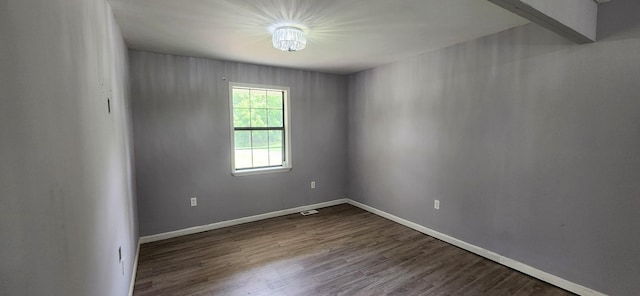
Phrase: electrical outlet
(436,204)
(313,184)
(194,201)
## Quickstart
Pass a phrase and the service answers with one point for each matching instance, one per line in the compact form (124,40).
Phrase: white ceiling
(344,36)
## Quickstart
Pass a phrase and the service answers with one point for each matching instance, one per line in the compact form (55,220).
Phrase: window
(260,128)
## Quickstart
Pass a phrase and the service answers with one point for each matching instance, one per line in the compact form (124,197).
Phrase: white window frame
(287,164)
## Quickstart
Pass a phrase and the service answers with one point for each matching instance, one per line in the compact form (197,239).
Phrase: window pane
(242,140)
(241,98)
(258,117)
(243,158)
(241,117)
(275,156)
(258,98)
(275,139)
(260,158)
(275,118)
(242,143)
(275,148)
(260,140)
(274,100)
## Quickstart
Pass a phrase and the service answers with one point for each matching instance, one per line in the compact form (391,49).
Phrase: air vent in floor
(309,212)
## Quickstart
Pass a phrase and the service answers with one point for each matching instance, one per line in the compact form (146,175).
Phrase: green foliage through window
(259,131)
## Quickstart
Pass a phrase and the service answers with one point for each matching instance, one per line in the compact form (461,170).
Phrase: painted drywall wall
(530,142)
(181,129)
(66,191)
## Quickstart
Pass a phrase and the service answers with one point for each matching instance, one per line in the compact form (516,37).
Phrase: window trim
(287,165)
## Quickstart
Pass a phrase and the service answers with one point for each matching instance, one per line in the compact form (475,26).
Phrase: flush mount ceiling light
(289,39)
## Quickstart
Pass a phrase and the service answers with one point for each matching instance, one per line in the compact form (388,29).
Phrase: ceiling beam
(575,20)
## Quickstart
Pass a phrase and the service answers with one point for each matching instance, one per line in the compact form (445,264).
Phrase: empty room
(312,147)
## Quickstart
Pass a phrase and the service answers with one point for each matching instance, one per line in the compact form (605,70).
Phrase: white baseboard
(135,270)
(202,228)
(519,266)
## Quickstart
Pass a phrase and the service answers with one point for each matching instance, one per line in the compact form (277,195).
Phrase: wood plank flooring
(342,250)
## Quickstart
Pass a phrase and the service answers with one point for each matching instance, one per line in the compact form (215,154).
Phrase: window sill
(260,171)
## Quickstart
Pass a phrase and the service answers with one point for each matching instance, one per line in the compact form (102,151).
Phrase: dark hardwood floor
(342,250)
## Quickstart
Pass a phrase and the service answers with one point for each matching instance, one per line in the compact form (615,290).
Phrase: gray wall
(530,142)
(181,129)
(66,191)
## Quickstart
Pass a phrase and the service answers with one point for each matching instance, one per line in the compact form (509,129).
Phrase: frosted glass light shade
(289,39)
